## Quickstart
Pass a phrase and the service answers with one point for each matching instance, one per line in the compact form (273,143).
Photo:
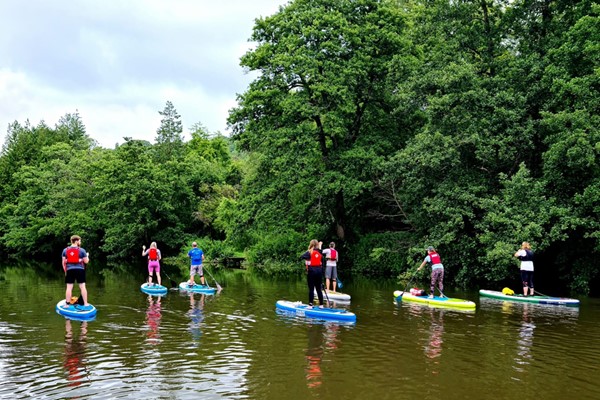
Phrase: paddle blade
(340,284)
(219,288)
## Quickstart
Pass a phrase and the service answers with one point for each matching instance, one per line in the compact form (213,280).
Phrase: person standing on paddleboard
(196,256)
(74,259)
(154,257)
(526,256)
(437,270)
(331,255)
(314,269)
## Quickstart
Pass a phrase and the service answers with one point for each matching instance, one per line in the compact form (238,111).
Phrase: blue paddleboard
(75,311)
(304,310)
(151,288)
(197,288)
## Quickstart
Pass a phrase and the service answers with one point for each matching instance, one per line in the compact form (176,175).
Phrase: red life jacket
(435,258)
(153,255)
(73,255)
(333,254)
(315,258)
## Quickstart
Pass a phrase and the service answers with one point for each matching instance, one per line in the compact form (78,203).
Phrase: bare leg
(69,292)
(158,278)
(334,285)
(327,284)
(83,293)
(202,279)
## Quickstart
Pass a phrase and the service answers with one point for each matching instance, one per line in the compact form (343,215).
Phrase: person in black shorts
(74,259)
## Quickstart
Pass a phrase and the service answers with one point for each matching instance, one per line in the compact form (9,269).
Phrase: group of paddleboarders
(525,254)
(315,259)
(75,259)
(196,256)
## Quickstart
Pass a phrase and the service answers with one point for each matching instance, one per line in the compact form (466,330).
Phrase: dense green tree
(169,138)
(318,114)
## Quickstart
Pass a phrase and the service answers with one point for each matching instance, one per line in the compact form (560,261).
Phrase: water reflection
(322,338)
(196,315)
(75,347)
(153,317)
(433,348)
(525,341)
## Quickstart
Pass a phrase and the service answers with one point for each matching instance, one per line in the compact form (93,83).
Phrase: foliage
(384,125)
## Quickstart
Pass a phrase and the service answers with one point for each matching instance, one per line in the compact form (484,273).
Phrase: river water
(235,345)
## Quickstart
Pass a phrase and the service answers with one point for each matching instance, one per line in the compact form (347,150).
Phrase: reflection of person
(196,314)
(437,270)
(526,332)
(74,259)
(332,256)
(196,256)
(154,257)
(74,353)
(433,349)
(314,356)
(526,256)
(314,268)
(153,317)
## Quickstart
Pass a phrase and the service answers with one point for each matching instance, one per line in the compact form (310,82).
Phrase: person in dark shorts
(74,259)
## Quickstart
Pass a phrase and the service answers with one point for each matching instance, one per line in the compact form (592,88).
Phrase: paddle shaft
(219,288)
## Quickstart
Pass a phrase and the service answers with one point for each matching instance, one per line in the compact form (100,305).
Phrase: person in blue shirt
(197,256)
(74,259)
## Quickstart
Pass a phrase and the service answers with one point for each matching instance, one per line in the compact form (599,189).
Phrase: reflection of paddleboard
(435,301)
(304,310)
(558,301)
(75,311)
(334,295)
(151,288)
(197,288)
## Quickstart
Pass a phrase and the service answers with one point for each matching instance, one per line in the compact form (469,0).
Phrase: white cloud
(117,63)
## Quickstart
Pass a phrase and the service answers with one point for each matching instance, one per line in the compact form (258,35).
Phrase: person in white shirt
(526,256)
(332,256)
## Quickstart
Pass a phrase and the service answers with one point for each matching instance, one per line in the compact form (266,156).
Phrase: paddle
(324,291)
(339,283)
(219,288)
(173,283)
(408,284)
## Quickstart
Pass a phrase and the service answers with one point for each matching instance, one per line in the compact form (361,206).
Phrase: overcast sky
(118,62)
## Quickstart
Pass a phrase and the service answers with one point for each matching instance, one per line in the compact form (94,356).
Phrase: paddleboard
(434,301)
(334,295)
(75,311)
(151,288)
(304,310)
(197,288)
(557,301)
